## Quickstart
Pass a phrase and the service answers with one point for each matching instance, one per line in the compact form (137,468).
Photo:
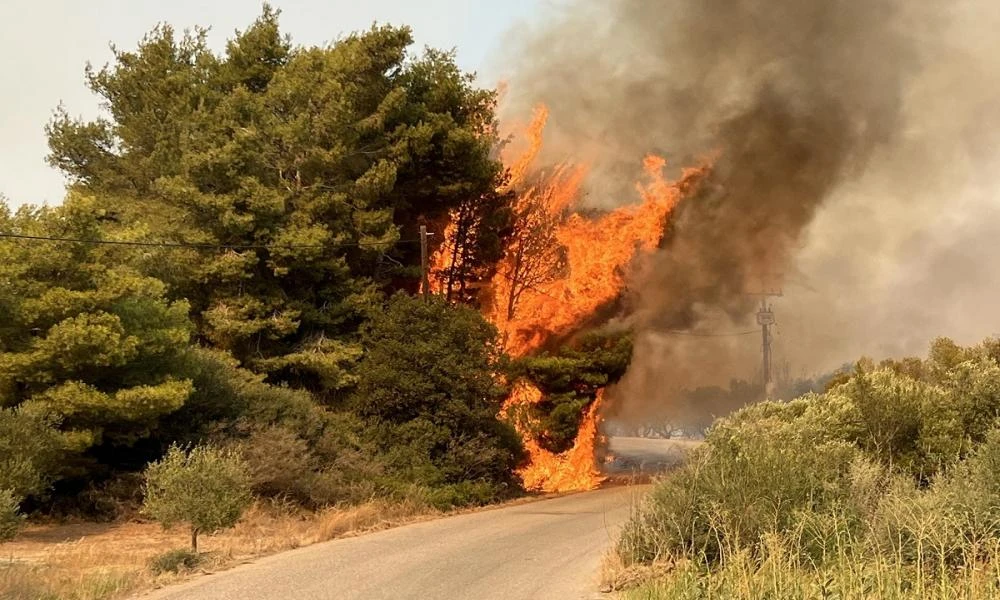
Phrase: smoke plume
(853,144)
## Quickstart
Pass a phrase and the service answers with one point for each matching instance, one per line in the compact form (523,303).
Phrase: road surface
(546,550)
(648,456)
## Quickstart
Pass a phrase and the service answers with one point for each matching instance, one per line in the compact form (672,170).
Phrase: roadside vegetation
(887,485)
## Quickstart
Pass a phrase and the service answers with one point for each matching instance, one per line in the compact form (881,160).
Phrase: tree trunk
(194,540)
(454,259)
(515,280)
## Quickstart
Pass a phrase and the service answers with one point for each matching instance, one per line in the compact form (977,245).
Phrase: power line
(701,334)
(197,246)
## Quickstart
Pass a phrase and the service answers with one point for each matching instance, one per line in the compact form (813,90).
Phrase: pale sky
(45,44)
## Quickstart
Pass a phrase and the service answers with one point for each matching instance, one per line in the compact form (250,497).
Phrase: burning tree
(560,267)
(535,257)
(570,380)
(474,243)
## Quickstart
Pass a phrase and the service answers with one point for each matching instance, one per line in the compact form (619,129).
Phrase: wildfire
(573,470)
(597,253)
(559,269)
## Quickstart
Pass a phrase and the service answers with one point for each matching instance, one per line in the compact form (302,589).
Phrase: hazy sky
(45,44)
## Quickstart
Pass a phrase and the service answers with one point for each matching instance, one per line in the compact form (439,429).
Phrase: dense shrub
(175,561)
(465,493)
(279,463)
(896,464)
(762,469)
(955,519)
(10,518)
(910,424)
(428,391)
(29,452)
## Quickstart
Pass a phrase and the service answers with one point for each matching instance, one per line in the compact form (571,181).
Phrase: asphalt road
(648,456)
(546,550)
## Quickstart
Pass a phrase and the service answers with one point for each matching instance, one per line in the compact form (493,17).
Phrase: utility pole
(425,285)
(765,318)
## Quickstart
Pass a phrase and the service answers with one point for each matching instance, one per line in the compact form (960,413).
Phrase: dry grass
(617,576)
(97,562)
(908,551)
(780,576)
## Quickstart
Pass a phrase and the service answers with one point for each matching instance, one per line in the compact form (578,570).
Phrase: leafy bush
(896,466)
(10,519)
(910,424)
(955,518)
(29,452)
(466,493)
(336,465)
(279,463)
(175,561)
(428,390)
(762,469)
(207,488)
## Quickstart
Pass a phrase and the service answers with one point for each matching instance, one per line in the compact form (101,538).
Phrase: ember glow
(561,267)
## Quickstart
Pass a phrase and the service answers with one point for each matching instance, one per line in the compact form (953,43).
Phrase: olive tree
(207,488)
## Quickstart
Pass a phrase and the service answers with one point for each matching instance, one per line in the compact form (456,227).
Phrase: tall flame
(560,268)
(598,252)
(573,470)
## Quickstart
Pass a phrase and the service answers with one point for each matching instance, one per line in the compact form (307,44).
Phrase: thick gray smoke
(853,144)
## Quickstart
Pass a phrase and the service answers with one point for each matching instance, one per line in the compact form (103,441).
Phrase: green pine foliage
(570,380)
(318,158)
(429,392)
(89,344)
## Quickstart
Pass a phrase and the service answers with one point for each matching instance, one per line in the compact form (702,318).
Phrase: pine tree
(86,341)
(312,162)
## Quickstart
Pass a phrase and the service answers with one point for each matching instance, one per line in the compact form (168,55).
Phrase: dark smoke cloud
(834,122)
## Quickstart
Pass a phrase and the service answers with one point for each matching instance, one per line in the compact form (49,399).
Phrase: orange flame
(443,259)
(560,268)
(598,252)
(572,471)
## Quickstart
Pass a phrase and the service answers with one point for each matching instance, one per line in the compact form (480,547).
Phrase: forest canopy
(220,272)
